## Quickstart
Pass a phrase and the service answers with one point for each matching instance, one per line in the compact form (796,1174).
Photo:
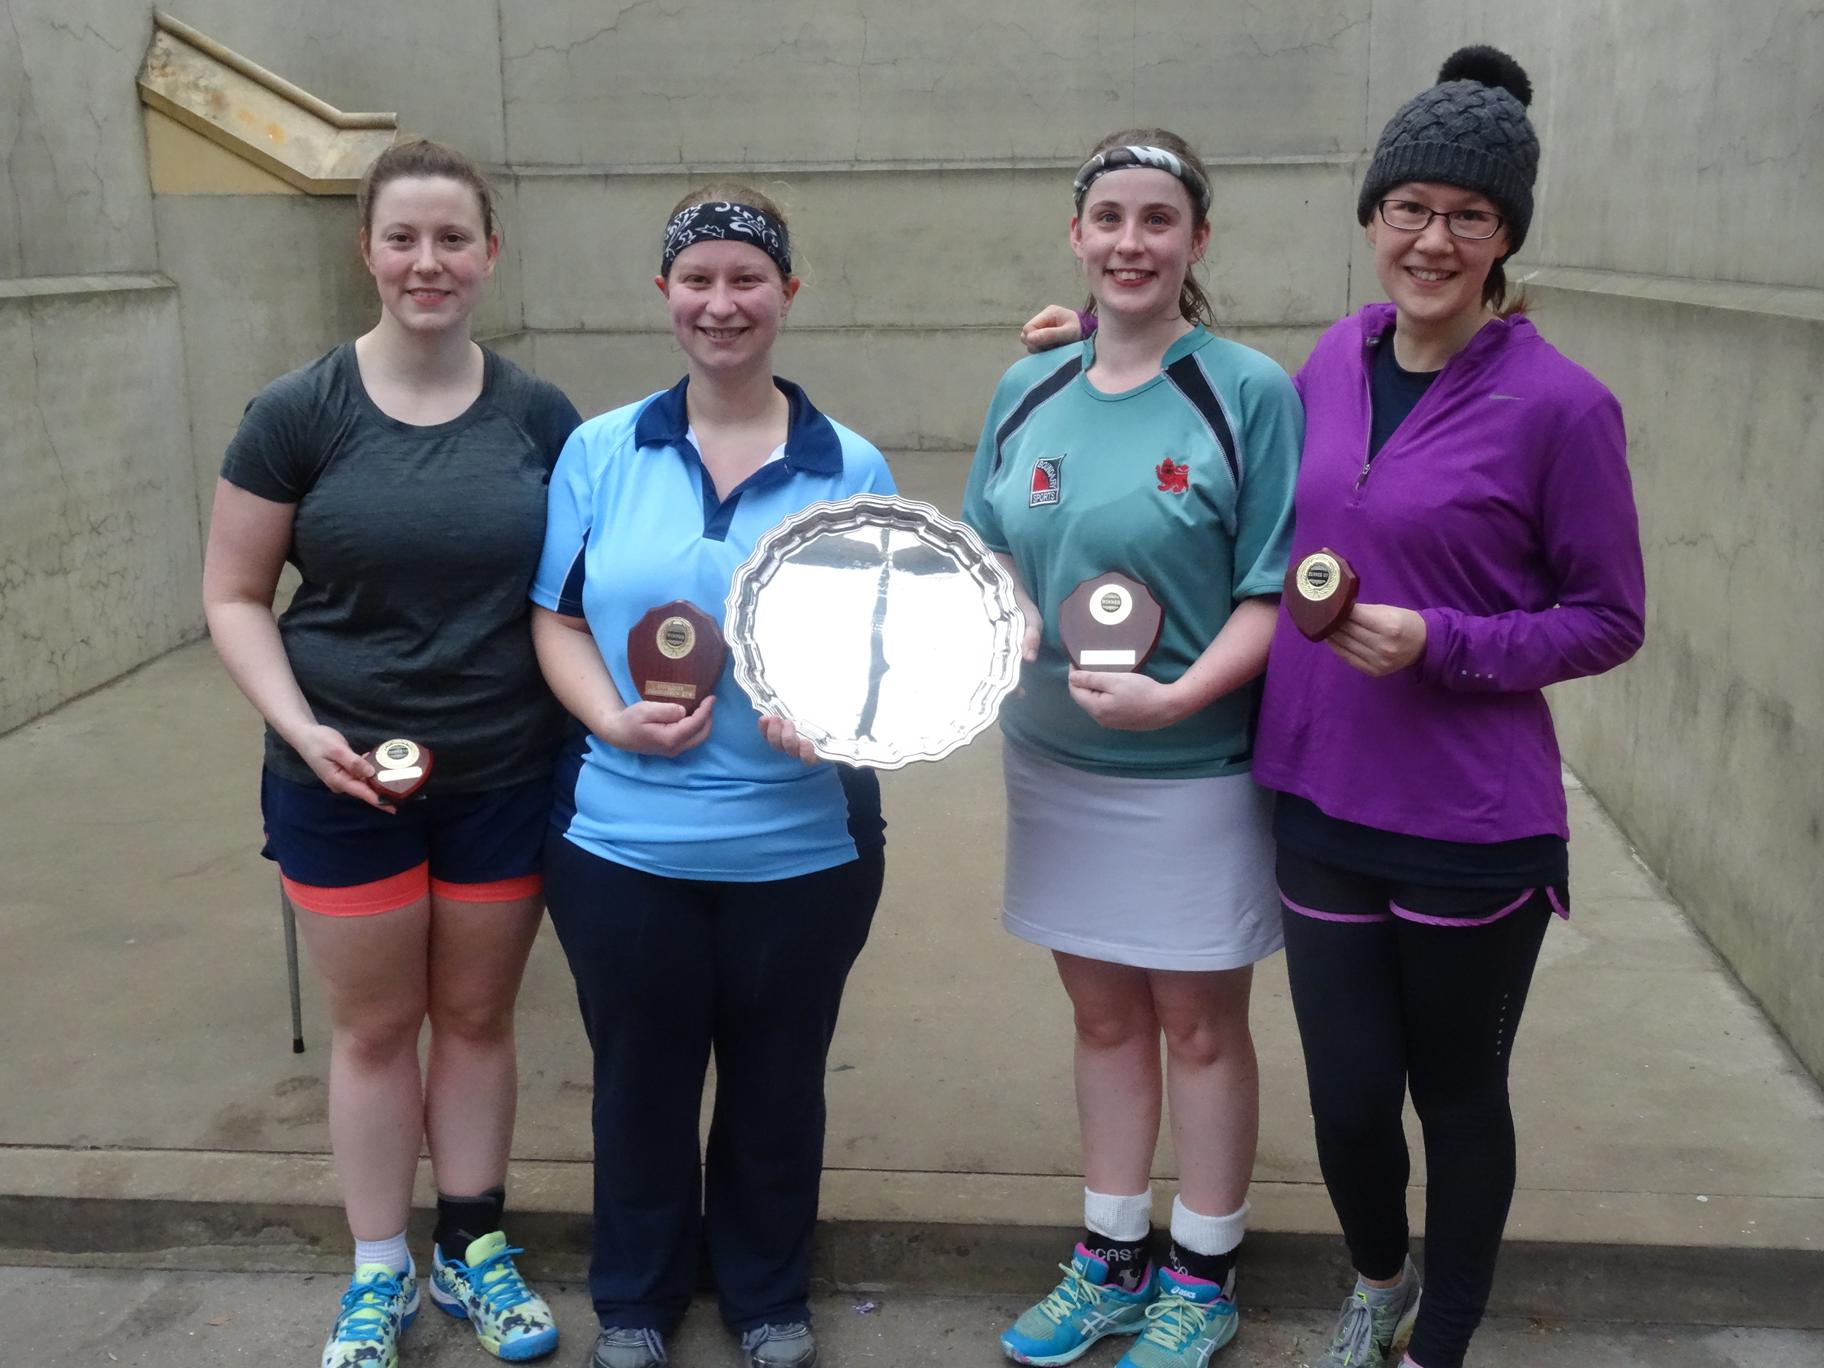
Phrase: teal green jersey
(1183,483)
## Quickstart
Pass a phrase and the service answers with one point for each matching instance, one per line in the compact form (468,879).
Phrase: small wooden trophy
(401,768)
(1110,622)
(1320,591)
(675,654)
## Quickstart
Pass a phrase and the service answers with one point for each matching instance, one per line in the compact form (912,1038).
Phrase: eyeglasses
(1477,225)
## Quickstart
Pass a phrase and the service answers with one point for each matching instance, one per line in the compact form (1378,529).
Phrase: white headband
(1121,158)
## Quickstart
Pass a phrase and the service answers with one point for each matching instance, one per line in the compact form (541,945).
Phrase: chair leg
(290,921)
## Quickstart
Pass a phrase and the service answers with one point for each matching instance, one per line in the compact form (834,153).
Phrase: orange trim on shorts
(500,890)
(362,900)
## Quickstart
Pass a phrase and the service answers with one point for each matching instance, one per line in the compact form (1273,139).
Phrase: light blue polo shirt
(634,522)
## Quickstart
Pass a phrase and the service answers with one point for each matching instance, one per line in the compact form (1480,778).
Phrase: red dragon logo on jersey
(1174,476)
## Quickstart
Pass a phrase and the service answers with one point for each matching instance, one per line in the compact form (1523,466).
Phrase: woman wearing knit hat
(1476,480)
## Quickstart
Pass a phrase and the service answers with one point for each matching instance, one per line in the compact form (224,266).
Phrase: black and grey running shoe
(1372,1336)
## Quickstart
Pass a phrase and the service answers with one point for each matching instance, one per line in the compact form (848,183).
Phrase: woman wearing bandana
(711,885)
(1477,481)
(1138,846)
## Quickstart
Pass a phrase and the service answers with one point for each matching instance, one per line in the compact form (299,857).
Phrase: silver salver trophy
(884,631)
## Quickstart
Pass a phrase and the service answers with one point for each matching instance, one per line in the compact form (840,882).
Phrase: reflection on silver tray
(884,630)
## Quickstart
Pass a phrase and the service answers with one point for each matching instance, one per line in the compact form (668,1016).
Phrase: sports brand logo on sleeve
(1174,476)
(1047,481)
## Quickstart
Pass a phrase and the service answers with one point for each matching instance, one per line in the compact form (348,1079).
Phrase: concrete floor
(148,1050)
(198,1320)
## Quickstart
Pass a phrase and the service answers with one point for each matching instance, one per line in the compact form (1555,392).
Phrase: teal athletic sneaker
(377,1307)
(511,1321)
(1080,1310)
(1368,1336)
(1189,1320)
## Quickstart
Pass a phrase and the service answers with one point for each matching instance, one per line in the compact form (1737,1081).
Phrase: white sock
(1119,1218)
(1207,1234)
(387,1253)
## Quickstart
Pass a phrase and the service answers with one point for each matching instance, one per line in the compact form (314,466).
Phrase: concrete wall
(924,155)
(904,322)
(436,62)
(1674,252)
(73,196)
(267,282)
(1709,748)
(98,537)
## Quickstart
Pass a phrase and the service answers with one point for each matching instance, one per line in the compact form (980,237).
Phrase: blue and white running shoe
(1189,1320)
(1080,1310)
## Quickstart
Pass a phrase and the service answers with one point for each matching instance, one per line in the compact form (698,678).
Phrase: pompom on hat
(1469,130)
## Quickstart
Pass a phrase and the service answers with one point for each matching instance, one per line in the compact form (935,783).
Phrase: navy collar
(811,442)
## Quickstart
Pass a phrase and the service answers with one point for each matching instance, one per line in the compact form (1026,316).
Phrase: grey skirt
(1155,873)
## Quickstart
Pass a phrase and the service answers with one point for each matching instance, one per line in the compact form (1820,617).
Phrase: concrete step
(180,1319)
(1552,1279)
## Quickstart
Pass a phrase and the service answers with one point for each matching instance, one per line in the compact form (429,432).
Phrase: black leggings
(1386,1002)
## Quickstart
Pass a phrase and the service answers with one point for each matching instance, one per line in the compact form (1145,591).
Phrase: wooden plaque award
(675,654)
(1320,591)
(401,768)
(1110,622)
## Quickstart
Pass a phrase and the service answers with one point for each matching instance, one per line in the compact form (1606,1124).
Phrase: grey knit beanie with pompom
(1469,130)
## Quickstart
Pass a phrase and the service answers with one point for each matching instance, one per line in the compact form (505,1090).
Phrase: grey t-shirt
(416,546)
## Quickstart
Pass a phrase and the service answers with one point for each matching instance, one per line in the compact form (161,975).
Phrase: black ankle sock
(1126,1259)
(463,1220)
(1210,1267)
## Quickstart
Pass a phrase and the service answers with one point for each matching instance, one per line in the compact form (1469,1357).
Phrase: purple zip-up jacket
(1501,510)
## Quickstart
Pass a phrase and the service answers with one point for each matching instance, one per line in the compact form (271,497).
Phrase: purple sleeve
(1590,541)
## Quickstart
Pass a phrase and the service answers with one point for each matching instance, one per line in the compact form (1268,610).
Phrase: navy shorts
(342,857)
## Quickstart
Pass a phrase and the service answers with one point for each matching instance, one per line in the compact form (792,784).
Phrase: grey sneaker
(627,1348)
(1370,1336)
(780,1346)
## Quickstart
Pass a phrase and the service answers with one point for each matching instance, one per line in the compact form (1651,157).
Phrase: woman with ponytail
(1138,846)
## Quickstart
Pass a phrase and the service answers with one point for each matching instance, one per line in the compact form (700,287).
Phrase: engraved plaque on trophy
(675,654)
(1110,622)
(1320,591)
(401,768)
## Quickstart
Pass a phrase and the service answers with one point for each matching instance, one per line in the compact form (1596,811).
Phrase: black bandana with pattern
(722,220)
